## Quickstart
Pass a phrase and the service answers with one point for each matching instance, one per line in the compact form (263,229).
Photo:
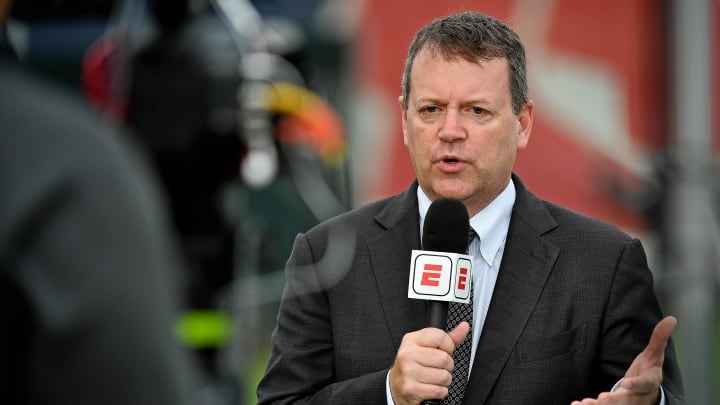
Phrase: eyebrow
(480,101)
(475,101)
(423,100)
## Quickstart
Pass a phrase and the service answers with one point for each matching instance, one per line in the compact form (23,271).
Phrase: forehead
(436,75)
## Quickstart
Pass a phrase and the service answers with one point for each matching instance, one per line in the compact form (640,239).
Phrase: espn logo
(440,276)
(431,275)
(462,279)
(435,274)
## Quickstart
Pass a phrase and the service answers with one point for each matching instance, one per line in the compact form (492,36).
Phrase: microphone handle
(438,314)
(438,319)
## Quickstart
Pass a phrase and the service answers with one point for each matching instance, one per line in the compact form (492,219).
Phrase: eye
(429,109)
(478,110)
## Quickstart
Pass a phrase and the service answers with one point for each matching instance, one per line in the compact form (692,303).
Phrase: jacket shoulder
(583,227)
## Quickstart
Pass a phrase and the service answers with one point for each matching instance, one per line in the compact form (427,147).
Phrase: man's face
(460,129)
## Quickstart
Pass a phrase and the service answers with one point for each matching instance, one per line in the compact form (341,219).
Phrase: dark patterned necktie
(457,313)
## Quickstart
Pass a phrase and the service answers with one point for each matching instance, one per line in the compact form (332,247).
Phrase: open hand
(641,384)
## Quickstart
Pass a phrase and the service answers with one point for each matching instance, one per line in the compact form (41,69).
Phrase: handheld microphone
(441,272)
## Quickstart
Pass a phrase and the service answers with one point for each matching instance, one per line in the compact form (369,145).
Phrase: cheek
(496,151)
(415,151)
(417,145)
(505,142)
(411,137)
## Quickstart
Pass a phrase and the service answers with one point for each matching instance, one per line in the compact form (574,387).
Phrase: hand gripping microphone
(440,273)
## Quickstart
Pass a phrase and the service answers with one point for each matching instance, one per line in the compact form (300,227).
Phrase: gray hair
(474,37)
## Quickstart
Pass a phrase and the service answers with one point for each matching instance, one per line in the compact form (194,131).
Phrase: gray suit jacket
(572,307)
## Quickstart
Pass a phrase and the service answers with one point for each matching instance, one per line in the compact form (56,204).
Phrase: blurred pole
(691,215)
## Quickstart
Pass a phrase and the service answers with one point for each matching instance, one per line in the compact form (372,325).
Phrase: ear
(525,119)
(403,119)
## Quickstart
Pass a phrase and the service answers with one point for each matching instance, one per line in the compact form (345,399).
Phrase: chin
(458,192)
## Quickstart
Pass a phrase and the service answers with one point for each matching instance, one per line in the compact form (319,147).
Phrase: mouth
(447,158)
(450,163)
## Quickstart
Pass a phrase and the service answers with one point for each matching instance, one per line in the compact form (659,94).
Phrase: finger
(658,341)
(409,391)
(607,398)
(434,338)
(435,376)
(459,333)
(586,401)
(434,358)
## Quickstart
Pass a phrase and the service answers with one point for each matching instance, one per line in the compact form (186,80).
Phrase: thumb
(659,338)
(459,333)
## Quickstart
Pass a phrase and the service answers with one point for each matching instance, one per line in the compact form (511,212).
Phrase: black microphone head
(446,226)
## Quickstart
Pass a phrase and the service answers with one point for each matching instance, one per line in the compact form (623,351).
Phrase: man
(563,305)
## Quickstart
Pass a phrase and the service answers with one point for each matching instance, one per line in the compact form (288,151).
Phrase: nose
(451,129)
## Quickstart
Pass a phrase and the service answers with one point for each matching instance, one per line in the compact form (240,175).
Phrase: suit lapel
(390,260)
(526,264)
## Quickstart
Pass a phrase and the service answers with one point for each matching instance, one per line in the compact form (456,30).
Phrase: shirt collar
(491,223)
